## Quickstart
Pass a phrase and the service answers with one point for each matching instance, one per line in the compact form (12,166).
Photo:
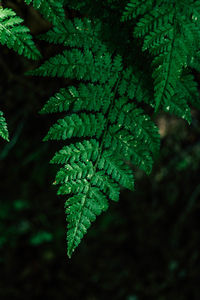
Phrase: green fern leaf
(186,92)
(85,97)
(77,126)
(189,87)
(15,35)
(171,34)
(106,134)
(101,165)
(76,64)
(81,212)
(50,9)
(111,130)
(82,151)
(3,127)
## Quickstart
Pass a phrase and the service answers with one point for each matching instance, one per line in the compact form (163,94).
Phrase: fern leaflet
(3,127)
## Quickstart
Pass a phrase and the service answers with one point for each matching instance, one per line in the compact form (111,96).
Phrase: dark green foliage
(3,127)
(50,9)
(94,169)
(101,109)
(105,105)
(79,33)
(17,37)
(171,33)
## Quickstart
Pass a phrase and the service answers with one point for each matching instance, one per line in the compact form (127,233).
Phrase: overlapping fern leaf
(104,130)
(15,35)
(3,127)
(50,9)
(170,31)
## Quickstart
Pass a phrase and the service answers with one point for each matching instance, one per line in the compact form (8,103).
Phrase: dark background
(145,247)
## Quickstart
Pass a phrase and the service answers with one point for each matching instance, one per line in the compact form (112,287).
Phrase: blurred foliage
(145,247)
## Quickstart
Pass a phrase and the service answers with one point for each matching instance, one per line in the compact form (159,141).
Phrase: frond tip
(81,211)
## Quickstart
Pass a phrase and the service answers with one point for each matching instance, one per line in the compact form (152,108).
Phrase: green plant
(107,132)
(3,127)
(171,34)
(50,9)
(17,37)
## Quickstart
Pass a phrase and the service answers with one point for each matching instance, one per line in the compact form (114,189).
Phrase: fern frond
(50,9)
(107,134)
(171,34)
(15,35)
(3,127)
(112,132)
